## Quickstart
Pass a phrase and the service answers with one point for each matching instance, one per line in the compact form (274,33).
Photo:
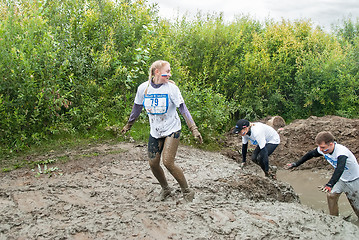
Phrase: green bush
(68,65)
(73,67)
(210,110)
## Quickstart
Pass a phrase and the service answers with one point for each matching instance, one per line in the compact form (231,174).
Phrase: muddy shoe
(242,165)
(188,195)
(270,175)
(165,193)
(273,170)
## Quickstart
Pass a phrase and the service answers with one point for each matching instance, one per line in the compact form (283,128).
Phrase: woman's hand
(126,128)
(197,135)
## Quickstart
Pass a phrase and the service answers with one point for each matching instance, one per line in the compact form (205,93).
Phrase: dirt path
(108,192)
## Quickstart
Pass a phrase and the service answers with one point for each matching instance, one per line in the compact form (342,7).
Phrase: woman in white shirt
(161,97)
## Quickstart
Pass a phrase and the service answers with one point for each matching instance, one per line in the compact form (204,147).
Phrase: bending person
(345,177)
(265,137)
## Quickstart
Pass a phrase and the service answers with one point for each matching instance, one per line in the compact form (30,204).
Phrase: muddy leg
(354,202)
(258,158)
(263,161)
(154,153)
(332,199)
(168,155)
(158,171)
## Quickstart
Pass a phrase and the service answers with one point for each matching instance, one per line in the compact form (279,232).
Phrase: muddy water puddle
(305,184)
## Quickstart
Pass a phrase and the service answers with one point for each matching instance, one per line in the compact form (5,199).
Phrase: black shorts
(155,145)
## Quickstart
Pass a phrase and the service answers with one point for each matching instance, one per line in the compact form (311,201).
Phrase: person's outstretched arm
(306,157)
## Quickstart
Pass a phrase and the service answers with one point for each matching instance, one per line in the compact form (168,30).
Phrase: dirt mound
(297,138)
(275,122)
(262,189)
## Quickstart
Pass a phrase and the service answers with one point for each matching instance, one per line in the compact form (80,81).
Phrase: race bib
(156,104)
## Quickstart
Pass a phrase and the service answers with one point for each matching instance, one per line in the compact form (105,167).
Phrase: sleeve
(140,94)
(338,170)
(186,114)
(136,110)
(307,156)
(176,95)
(244,139)
(244,152)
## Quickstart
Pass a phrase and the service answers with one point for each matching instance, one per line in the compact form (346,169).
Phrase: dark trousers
(260,156)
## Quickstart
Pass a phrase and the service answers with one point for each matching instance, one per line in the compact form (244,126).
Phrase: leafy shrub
(210,110)
(73,66)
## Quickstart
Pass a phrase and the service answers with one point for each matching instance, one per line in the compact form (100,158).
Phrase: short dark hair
(326,137)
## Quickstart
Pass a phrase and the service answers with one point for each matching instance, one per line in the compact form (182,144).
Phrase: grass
(27,157)
(56,145)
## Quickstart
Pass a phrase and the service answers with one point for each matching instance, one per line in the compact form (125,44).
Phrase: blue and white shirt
(351,169)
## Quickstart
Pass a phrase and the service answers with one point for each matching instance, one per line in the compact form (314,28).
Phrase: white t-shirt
(261,134)
(161,106)
(351,169)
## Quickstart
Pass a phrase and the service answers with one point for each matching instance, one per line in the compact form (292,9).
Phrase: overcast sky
(321,12)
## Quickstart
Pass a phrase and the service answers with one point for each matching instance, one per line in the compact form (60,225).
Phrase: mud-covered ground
(108,192)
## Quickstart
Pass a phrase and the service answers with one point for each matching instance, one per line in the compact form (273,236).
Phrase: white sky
(321,12)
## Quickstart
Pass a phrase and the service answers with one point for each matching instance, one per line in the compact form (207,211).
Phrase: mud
(108,192)
(305,183)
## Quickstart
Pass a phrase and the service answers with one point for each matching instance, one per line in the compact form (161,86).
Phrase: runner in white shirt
(265,137)
(345,177)
(161,105)
(161,97)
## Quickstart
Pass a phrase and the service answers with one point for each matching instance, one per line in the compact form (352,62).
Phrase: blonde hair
(156,65)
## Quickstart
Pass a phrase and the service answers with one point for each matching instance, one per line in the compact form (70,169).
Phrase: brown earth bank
(297,138)
(107,191)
